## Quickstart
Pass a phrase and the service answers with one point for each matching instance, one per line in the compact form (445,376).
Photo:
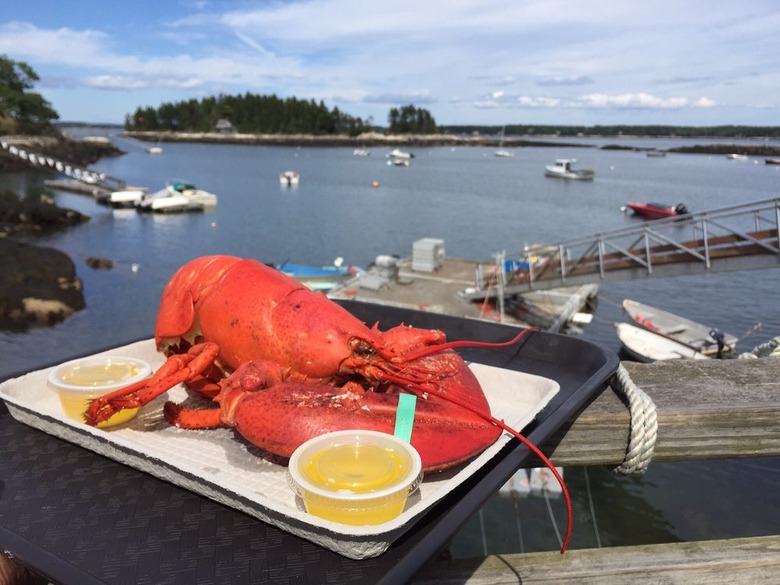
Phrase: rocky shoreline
(368,139)
(376,139)
(38,285)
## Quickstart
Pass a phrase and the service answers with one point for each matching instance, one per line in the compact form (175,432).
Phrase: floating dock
(439,287)
(74,186)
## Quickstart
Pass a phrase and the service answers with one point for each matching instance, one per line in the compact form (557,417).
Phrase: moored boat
(322,278)
(289,178)
(398,153)
(563,168)
(656,210)
(125,198)
(772,161)
(645,346)
(503,152)
(177,196)
(701,338)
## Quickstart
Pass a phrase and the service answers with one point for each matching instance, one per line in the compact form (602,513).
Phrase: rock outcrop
(38,286)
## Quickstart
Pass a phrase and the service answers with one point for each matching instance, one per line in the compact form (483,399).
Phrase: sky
(481,62)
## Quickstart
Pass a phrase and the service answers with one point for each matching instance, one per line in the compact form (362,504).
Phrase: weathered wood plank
(743,560)
(706,409)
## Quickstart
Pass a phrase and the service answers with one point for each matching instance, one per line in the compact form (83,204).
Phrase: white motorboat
(175,197)
(398,153)
(126,198)
(154,150)
(646,346)
(361,152)
(289,178)
(563,168)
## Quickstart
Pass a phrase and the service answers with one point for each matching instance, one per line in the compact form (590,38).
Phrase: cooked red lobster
(286,364)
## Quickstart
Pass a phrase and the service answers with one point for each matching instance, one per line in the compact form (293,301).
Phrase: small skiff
(701,338)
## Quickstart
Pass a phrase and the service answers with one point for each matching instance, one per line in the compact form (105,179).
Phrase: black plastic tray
(81,518)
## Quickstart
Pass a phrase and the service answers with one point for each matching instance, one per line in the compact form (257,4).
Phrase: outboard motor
(720,339)
(681,209)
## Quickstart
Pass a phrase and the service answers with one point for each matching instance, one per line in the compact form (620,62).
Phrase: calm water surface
(479,205)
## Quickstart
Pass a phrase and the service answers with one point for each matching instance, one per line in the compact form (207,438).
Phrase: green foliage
(24,111)
(411,120)
(248,113)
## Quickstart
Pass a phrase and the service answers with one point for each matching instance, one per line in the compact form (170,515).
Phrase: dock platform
(441,290)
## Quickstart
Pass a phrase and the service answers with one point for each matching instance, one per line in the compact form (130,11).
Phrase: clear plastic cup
(79,381)
(355,477)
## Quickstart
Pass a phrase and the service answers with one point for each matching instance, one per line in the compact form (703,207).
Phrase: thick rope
(769,349)
(644,424)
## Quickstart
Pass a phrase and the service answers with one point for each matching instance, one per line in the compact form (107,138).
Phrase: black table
(78,517)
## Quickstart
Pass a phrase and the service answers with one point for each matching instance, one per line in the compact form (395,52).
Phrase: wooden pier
(707,409)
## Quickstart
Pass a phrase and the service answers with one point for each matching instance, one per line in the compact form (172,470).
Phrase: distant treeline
(268,114)
(248,113)
(257,114)
(623,130)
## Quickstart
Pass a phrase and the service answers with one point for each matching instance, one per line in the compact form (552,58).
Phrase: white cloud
(121,82)
(537,102)
(567,80)
(114,82)
(632,100)
(486,105)
(704,102)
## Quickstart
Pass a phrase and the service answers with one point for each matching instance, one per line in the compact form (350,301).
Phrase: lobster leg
(176,370)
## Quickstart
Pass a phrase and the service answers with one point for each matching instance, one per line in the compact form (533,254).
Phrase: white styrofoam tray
(220,465)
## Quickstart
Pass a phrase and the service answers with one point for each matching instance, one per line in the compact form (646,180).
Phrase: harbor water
(359,208)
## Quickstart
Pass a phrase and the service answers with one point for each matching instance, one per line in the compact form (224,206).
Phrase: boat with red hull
(656,210)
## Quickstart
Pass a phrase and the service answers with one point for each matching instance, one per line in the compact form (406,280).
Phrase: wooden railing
(740,237)
(706,410)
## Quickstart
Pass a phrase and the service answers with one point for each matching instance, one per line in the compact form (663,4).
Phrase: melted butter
(99,375)
(357,468)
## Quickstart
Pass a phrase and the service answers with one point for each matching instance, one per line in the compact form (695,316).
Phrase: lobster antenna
(534,449)
(431,349)
(426,387)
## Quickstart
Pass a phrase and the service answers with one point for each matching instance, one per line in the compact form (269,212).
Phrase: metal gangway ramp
(739,237)
(81,174)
